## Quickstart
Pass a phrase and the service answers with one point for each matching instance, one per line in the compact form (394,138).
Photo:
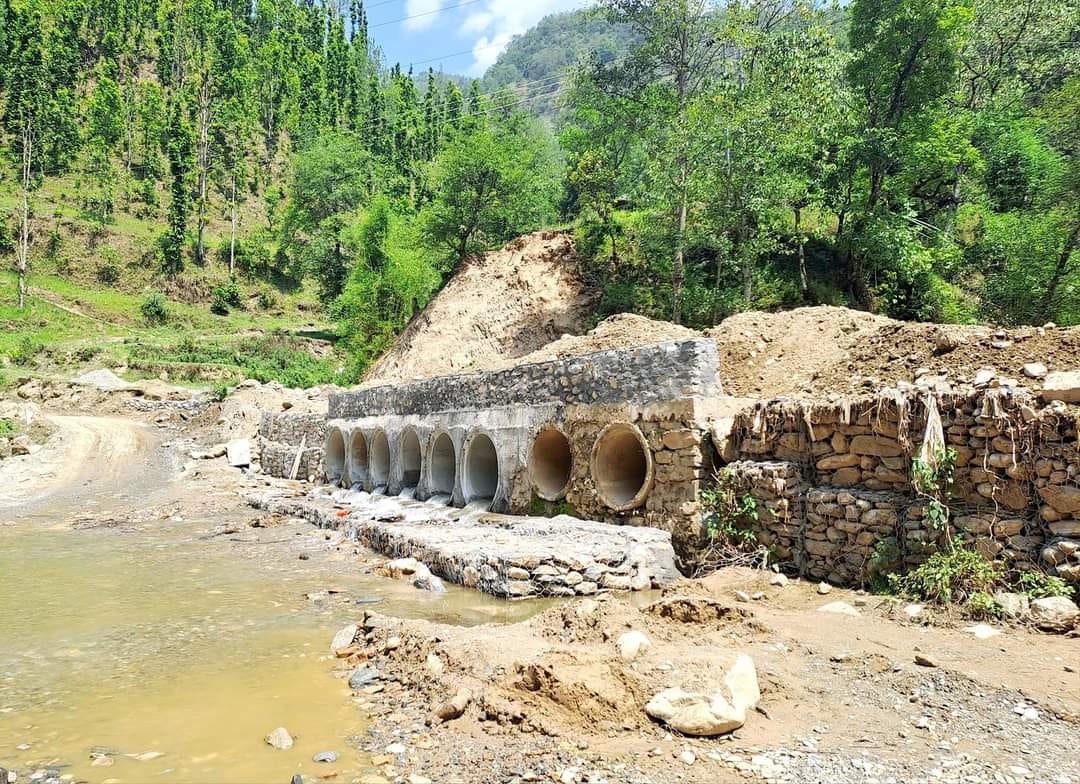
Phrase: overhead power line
(424,13)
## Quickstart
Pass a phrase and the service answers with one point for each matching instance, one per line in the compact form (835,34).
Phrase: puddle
(150,641)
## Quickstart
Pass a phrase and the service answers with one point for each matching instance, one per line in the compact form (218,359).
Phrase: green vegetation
(7,428)
(247,166)
(729,518)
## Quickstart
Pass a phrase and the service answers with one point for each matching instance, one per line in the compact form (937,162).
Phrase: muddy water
(174,653)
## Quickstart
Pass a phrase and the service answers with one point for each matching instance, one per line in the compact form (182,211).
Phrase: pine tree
(181,147)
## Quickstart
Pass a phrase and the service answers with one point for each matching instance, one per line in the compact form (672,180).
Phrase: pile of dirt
(498,307)
(624,330)
(814,352)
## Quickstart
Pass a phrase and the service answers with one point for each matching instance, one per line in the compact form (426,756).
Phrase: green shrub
(729,517)
(267,298)
(7,428)
(219,392)
(224,297)
(155,309)
(953,574)
(1039,585)
(26,350)
(86,353)
(981,606)
(107,273)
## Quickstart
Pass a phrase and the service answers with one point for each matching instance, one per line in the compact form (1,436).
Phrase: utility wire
(425,13)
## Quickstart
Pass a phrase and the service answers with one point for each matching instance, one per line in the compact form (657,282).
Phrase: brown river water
(173,653)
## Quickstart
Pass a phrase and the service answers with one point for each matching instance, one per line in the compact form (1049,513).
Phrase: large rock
(1014,606)
(876,446)
(633,643)
(1054,613)
(343,640)
(280,739)
(1063,498)
(704,715)
(1062,385)
(238,453)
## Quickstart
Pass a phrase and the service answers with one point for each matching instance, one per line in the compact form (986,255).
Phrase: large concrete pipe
(550,463)
(358,458)
(379,459)
(622,466)
(442,464)
(334,456)
(480,478)
(410,458)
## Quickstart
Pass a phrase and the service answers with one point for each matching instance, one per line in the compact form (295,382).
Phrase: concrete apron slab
(503,555)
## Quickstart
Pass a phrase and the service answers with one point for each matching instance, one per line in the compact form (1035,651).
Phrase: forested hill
(184,160)
(541,58)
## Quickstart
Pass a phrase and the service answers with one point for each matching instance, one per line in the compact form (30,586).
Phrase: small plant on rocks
(728,518)
(1039,585)
(954,574)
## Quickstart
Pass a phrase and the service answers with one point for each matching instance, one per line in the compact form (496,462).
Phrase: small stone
(362,676)
(982,631)
(280,738)
(344,638)
(824,588)
(455,706)
(392,644)
(395,748)
(924,661)
(687,757)
(325,756)
(839,608)
(416,778)
(1034,370)
(631,644)
(434,664)
(742,596)
(778,579)
(914,610)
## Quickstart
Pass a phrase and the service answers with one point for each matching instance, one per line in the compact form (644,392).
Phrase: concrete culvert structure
(379,459)
(550,463)
(622,466)
(358,458)
(410,458)
(334,460)
(480,478)
(443,464)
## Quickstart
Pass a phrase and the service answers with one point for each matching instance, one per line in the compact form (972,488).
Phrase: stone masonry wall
(1016,494)
(641,375)
(281,435)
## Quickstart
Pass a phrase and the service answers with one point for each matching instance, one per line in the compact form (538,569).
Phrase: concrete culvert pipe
(379,459)
(480,479)
(622,466)
(334,456)
(410,458)
(358,458)
(443,464)
(550,463)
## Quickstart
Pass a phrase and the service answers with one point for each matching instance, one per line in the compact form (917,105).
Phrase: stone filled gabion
(281,435)
(1015,495)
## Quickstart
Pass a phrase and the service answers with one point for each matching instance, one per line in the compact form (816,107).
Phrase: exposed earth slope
(499,306)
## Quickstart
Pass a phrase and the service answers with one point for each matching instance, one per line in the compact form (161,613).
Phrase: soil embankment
(498,306)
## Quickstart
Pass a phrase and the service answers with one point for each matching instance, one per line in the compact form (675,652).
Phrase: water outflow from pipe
(410,458)
(334,450)
(379,459)
(443,465)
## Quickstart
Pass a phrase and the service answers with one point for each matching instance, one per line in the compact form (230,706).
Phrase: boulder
(343,640)
(362,676)
(633,643)
(238,453)
(1054,613)
(1014,606)
(876,446)
(1034,370)
(280,739)
(455,706)
(1062,385)
(704,715)
(1063,498)
(21,445)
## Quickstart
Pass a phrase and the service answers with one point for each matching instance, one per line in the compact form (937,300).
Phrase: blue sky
(476,31)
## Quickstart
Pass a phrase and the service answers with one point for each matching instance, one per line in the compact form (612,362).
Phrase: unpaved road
(83,451)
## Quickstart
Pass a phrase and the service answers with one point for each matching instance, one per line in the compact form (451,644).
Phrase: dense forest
(914,157)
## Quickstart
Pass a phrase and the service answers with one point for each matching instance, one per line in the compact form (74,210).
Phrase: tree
(331,180)
(665,73)
(105,121)
(26,114)
(489,184)
(181,148)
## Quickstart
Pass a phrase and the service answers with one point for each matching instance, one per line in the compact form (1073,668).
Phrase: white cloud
(495,22)
(424,8)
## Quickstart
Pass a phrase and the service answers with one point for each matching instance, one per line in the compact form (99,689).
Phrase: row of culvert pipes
(621,464)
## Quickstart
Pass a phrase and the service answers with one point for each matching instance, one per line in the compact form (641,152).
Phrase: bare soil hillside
(498,307)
